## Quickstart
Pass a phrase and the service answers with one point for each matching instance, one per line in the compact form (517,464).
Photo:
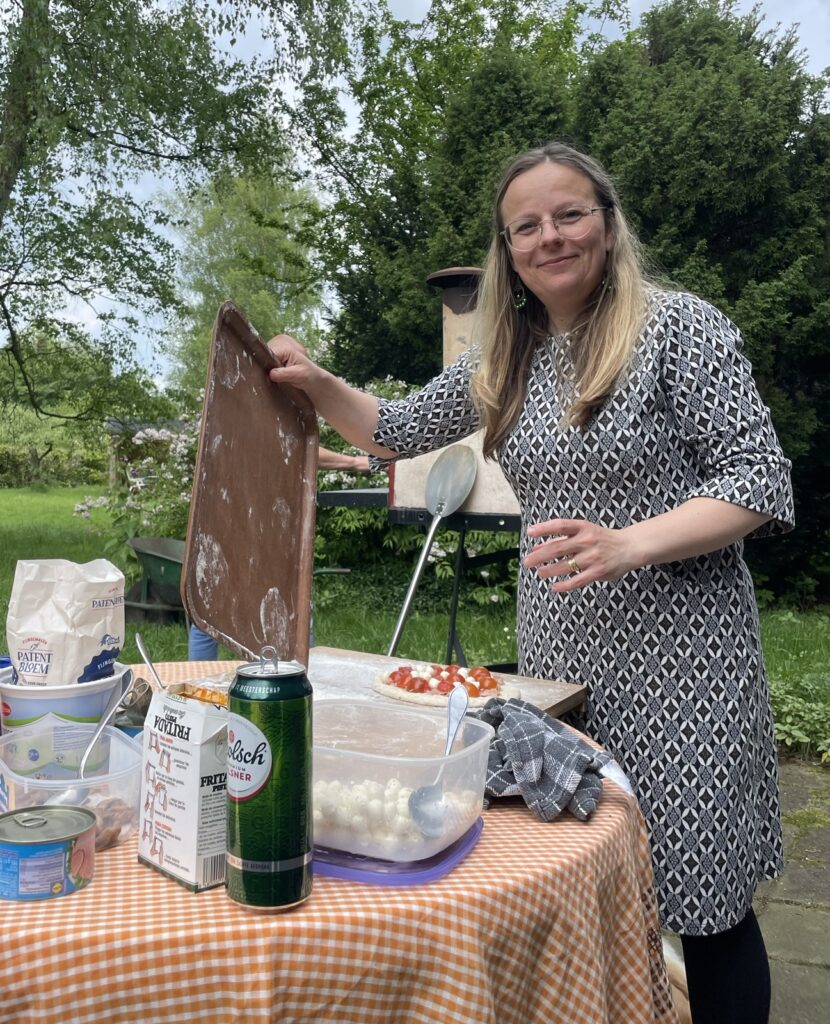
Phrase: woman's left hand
(579,552)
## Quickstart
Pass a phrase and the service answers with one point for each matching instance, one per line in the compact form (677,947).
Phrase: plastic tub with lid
(370,756)
(39,767)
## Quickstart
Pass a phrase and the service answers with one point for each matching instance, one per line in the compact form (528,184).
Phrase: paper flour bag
(66,621)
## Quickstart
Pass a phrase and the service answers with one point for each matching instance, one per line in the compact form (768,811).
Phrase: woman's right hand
(295,367)
(352,413)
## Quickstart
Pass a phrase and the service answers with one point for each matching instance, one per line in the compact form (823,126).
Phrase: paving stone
(806,882)
(799,782)
(799,994)
(797,934)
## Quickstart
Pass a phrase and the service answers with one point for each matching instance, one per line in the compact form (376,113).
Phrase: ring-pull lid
(269,665)
(47,824)
(246,577)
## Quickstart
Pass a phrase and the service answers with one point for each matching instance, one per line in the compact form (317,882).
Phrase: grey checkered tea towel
(538,758)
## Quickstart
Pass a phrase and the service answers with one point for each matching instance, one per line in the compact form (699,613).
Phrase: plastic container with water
(370,756)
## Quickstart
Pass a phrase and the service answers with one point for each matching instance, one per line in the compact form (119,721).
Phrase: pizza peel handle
(448,483)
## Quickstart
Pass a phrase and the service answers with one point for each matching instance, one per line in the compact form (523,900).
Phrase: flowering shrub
(153,495)
(160,483)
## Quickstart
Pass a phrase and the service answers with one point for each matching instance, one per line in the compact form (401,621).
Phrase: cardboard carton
(183,810)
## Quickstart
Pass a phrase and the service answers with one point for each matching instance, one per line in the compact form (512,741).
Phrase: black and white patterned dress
(670,653)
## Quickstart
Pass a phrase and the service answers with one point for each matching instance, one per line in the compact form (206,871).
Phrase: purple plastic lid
(354,868)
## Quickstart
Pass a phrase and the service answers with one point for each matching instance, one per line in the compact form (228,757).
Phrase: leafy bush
(24,466)
(14,466)
(801,709)
(797,653)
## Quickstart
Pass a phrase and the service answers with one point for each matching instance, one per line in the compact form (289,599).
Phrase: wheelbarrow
(159,588)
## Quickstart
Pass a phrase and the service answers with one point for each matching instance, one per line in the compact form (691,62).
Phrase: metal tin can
(46,851)
(269,781)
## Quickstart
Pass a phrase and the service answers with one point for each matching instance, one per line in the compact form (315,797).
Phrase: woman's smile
(562,273)
(557,261)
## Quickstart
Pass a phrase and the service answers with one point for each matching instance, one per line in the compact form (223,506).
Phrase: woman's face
(562,273)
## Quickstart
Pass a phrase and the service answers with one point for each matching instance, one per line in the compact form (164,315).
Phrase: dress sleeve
(721,417)
(440,413)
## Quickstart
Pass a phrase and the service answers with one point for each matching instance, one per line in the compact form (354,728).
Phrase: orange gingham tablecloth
(541,923)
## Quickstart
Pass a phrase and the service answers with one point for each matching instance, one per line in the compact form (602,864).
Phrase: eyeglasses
(572,223)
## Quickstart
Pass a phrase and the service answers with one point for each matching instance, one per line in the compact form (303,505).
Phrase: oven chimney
(491,494)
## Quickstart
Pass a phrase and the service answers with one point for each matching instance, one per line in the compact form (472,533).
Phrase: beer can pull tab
(267,657)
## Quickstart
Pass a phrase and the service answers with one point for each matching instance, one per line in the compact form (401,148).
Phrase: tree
(245,238)
(716,134)
(72,374)
(95,100)
(440,107)
(720,141)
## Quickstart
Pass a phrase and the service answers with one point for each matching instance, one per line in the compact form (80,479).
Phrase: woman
(630,429)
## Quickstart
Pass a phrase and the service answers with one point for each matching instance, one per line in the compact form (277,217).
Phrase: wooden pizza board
(246,577)
(335,673)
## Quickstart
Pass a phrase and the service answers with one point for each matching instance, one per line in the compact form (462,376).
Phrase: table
(541,923)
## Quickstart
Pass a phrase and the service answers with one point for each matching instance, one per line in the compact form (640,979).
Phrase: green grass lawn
(37,523)
(358,611)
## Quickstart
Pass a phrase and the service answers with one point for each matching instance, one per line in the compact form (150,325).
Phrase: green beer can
(269,785)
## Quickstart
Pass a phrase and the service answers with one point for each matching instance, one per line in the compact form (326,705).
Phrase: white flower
(494,598)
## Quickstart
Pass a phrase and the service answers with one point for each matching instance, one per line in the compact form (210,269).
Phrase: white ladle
(427,804)
(448,483)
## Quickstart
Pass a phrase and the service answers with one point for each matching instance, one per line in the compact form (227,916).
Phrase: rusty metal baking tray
(246,577)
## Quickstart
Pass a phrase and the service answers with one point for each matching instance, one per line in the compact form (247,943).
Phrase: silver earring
(519,297)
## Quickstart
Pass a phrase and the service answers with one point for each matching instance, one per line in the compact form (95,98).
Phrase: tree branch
(16,351)
(131,147)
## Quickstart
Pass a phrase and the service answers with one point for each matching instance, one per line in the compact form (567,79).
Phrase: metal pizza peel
(448,483)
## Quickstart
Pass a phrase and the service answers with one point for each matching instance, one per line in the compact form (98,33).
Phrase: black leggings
(728,975)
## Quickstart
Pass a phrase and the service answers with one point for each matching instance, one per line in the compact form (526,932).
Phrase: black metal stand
(359,497)
(455,652)
(462,522)
(377,497)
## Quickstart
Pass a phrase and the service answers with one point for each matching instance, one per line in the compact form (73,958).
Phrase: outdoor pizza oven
(491,494)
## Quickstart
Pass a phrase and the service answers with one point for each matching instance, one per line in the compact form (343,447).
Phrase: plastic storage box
(368,759)
(40,766)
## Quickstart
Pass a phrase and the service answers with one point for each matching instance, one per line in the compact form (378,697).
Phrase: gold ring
(572,562)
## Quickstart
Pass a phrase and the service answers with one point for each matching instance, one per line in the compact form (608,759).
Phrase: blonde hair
(600,345)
